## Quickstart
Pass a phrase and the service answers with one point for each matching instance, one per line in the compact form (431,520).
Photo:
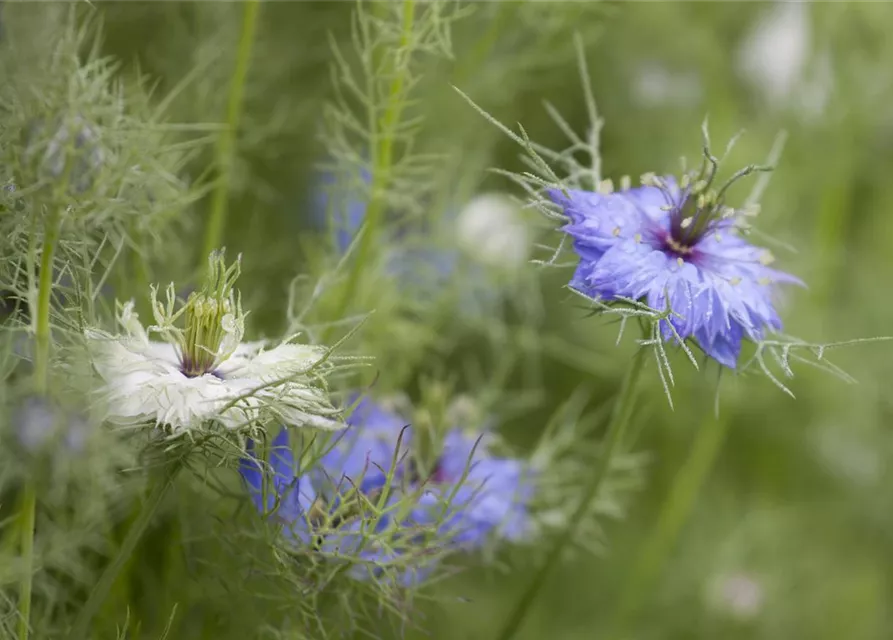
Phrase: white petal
(278,363)
(243,354)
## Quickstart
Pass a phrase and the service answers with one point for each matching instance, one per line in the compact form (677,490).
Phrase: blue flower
(366,452)
(477,494)
(469,495)
(333,520)
(678,245)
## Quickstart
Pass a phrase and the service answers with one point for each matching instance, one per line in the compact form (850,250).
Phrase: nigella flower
(469,494)
(478,495)
(339,521)
(677,245)
(204,372)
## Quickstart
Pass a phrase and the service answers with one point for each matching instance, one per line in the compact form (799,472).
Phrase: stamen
(606,186)
(648,179)
(677,247)
(625,183)
(766,258)
(213,319)
(616,231)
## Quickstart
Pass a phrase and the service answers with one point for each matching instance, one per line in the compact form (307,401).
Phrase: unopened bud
(68,149)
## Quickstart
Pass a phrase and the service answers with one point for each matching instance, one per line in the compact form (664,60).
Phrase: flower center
(213,319)
(695,208)
(206,321)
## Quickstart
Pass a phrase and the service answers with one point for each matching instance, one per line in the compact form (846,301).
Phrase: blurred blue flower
(41,425)
(425,256)
(475,494)
(342,215)
(668,243)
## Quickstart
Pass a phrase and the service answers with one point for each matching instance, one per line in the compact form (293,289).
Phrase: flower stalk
(620,417)
(99,593)
(673,515)
(40,381)
(227,141)
(382,138)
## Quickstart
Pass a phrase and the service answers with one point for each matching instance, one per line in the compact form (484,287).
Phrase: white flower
(491,228)
(775,58)
(204,373)
(738,595)
(654,85)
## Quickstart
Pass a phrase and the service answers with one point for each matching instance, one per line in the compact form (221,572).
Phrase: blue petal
(282,459)
(367,448)
(250,468)
(723,347)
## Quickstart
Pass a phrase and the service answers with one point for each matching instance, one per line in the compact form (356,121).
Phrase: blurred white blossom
(775,57)
(491,228)
(654,85)
(739,595)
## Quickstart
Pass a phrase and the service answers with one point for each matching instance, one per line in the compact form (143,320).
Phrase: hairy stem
(227,140)
(40,382)
(673,514)
(100,591)
(382,135)
(620,416)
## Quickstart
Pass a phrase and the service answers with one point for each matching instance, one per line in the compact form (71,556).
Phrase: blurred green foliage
(797,500)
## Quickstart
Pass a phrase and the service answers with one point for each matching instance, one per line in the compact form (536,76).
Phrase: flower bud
(67,151)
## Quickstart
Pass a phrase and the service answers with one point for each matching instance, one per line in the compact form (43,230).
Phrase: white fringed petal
(143,383)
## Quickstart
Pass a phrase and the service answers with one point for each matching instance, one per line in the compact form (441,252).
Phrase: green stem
(44,295)
(40,373)
(673,515)
(82,624)
(29,508)
(382,135)
(226,142)
(620,416)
